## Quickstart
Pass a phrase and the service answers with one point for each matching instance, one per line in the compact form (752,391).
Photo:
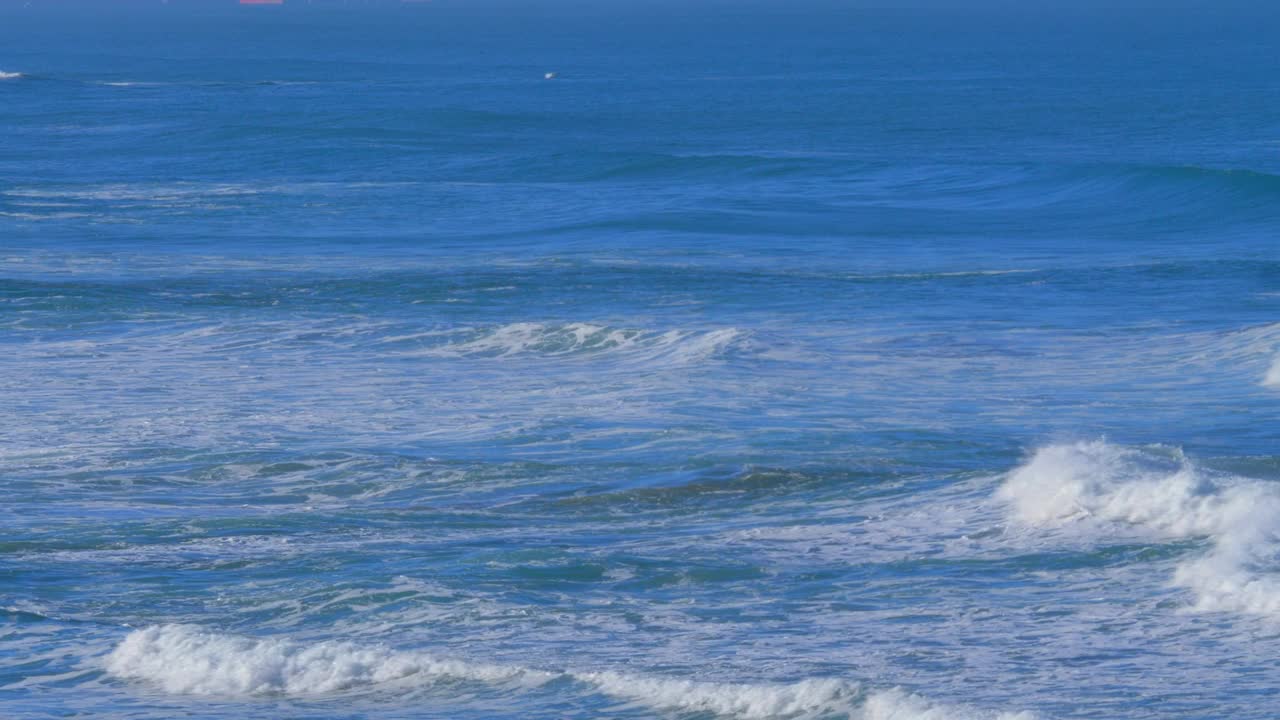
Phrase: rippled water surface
(766,362)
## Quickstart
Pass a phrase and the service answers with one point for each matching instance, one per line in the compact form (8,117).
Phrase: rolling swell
(1119,189)
(845,198)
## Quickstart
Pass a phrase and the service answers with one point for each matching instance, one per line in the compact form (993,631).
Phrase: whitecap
(1272,378)
(183,659)
(1161,490)
(806,698)
(9,75)
(186,660)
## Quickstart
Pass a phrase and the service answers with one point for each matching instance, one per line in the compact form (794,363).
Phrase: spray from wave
(187,660)
(1165,492)
(1272,378)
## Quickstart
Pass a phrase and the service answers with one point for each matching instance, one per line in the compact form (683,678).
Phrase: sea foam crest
(188,660)
(810,698)
(806,698)
(530,338)
(1272,378)
(1165,492)
(9,75)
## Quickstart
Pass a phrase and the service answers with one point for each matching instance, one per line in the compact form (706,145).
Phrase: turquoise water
(765,362)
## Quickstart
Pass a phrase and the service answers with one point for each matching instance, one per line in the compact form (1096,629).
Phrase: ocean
(701,361)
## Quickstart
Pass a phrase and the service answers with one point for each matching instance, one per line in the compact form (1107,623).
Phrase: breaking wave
(1272,378)
(810,698)
(9,75)
(186,660)
(1160,489)
(183,659)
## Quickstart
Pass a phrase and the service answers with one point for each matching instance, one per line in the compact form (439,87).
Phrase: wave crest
(1272,378)
(806,698)
(183,659)
(530,338)
(1162,490)
(186,660)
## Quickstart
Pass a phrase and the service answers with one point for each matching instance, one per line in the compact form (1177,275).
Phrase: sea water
(693,361)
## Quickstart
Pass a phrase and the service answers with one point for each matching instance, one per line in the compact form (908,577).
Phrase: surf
(1161,490)
(182,659)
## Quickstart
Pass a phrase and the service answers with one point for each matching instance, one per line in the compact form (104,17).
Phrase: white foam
(9,75)
(187,660)
(1272,378)
(898,705)
(531,338)
(1160,489)
(805,698)
(810,698)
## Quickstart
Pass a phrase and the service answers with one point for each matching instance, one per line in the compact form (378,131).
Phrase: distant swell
(1105,190)
(667,167)
(187,660)
(1238,178)
(1167,493)
(1156,185)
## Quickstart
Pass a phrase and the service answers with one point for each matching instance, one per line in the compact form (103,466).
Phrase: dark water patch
(627,168)
(725,492)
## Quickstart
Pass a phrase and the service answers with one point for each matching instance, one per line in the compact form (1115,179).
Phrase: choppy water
(803,363)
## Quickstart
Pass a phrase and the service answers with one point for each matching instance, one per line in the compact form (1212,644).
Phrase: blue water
(766,362)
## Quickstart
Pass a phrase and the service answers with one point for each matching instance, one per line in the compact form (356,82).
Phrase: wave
(1145,189)
(1237,178)
(1160,489)
(186,660)
(183,659)
(531,338)
(1128,193)
(1187,184)
(1272,378)
(10,75)
(1154,193)
(27,614)
(642,167)
(810,698)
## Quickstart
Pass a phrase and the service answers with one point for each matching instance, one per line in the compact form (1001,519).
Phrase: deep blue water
(766,362)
